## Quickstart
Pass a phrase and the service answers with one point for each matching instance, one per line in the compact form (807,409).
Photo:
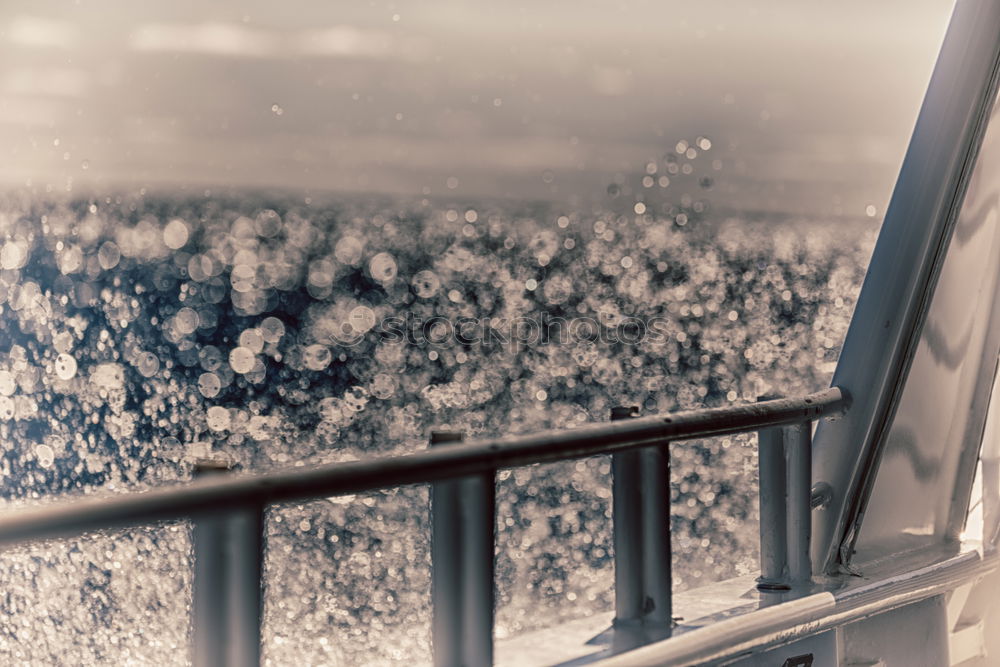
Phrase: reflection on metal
(626,494)
(228,566)
(821,494)
(657,572)
(885,330)
(786,502)
(228,534)
(798,457)
(769,626)
(990,462)
(773,510)
(462,544)
(641,516)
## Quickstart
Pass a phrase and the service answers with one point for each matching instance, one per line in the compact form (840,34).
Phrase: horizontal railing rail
(228,514)
(215,493)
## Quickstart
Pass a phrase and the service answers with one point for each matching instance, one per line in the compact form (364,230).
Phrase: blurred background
(808,107)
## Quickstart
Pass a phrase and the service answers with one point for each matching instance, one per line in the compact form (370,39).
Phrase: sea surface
(141,332)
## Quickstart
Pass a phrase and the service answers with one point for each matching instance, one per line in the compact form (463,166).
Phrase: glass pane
(113,598)
(348,580)
(554,550)
(298,233)
(715,510)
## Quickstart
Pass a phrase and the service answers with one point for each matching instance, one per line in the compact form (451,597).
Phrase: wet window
(290,234)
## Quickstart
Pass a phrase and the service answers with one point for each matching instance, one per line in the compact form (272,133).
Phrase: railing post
(641,518)
(626,518)
(798,455)
(773,522)
(657,568)
(227,597)
(463,518)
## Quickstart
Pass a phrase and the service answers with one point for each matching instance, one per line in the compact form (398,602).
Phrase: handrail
(219,493)
(228,520)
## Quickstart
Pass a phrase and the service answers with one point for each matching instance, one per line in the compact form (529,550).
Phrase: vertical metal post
(798,456)
(772,485)
(657,571)
(463,517)
(641,515)
(626,517)
(446,558)
(227,598)
(208,608)
(245,604)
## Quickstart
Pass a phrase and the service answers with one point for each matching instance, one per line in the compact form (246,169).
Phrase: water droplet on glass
(148,364)
(217,418)
(7,383)
(425,284)
(383,386)
(13,255)
(186,321)
(241,359)
(253,340)
(361,319)
(210,358)
(46,457)
(382,267)
(316,357)
(108,255)
(272,329)
(65,367)
(175,234)
(348,250)
(356,398)
(209,385)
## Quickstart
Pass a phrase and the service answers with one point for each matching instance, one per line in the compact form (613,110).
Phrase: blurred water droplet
(7,384)
(383,386)
(148,364)
(317,357)
(175,234)
(241,359)
(65,367)
(382,267)
(217,418)
(425,284)
(209,385)
(46,457)
(348,250)
(272,329)
(252,339)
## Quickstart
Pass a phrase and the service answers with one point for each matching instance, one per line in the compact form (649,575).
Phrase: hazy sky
(808,105)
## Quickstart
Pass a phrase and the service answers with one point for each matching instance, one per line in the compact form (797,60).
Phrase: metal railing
(228,515)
